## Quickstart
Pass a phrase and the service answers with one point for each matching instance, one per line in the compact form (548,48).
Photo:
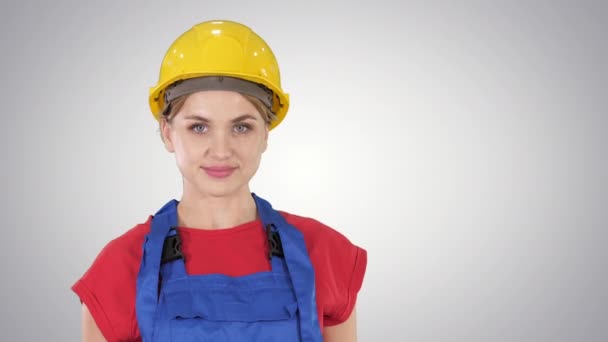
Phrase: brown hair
(176,104)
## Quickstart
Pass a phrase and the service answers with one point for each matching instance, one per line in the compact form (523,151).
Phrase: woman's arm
(343,332)
(90,331)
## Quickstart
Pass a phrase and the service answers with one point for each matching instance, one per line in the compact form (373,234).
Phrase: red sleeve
(348,264)
(339,268)
(108,286)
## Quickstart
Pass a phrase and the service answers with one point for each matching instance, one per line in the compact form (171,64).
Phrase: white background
(462,144)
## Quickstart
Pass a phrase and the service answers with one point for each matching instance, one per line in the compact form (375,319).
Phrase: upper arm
(343,332)
(90,331)
(107,289)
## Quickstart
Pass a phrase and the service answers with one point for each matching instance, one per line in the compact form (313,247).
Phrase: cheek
(185,150)
(253,150)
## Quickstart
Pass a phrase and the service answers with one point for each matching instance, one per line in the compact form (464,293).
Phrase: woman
(221,264)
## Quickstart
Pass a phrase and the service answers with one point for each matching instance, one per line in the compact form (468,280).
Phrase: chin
(208,186)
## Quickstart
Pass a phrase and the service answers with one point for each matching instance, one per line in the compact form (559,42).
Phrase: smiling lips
(219,171)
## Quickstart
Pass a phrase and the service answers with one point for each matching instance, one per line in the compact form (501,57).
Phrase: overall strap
(147,280)
(299,267)
(173,266)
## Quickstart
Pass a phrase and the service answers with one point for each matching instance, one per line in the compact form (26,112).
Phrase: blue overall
(279,305)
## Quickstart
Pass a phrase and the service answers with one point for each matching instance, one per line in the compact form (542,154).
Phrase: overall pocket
(245,315)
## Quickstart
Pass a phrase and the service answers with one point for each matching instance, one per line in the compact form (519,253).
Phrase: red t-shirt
(108,287)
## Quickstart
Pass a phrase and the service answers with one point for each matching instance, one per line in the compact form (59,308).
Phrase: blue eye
(241,128)
(198,128)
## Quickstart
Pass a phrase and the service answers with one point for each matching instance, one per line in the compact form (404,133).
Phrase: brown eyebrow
(244,117)
(204,119)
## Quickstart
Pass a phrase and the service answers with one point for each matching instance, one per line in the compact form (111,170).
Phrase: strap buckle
(172,249)
(274,241)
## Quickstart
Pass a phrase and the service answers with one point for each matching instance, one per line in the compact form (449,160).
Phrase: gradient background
(463,145)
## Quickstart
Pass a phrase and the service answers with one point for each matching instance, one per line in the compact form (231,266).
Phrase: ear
(165,131)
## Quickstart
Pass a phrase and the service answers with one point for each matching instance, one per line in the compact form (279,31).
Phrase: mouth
(219,171)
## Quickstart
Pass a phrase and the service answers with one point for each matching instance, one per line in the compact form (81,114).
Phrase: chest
(234,254)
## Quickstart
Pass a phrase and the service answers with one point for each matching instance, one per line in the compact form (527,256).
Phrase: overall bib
(279,305)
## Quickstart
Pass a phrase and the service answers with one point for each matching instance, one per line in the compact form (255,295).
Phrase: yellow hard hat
(226,49)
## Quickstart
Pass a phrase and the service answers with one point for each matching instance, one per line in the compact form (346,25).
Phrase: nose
(220,146)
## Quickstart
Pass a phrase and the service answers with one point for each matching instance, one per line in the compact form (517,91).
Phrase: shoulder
(130,243)
(125,250)
(317,235)
(338,263)
(323,241)
(108,286)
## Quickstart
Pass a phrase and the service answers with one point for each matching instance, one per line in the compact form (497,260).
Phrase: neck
(210,212)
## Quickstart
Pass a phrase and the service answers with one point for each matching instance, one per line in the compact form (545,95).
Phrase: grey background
(463,144)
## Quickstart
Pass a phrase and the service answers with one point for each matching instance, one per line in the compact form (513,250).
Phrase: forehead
(218,105)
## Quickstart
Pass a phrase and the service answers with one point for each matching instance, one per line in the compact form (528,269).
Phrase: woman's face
(218,138)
